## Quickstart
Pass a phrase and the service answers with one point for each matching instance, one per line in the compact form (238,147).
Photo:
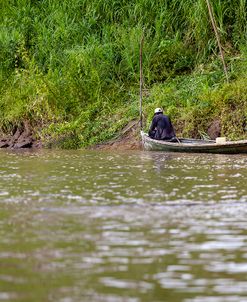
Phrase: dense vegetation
(71,68)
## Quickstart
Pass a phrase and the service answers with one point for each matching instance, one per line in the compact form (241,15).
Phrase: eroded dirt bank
(22,137)
(128,139)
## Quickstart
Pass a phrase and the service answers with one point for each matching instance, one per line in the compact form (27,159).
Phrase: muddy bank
(21,137)
(24,137)
(128,139)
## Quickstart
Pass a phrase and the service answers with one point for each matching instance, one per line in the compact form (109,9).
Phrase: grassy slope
(71,67)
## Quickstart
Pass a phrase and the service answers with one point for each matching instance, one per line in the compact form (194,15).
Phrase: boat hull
(194,146)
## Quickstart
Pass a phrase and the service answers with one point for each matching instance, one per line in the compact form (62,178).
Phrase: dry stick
(141,79)
(217,38)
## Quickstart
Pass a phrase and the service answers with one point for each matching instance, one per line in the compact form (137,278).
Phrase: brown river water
(122,227)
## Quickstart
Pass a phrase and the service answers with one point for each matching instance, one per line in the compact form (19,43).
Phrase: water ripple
(139,226)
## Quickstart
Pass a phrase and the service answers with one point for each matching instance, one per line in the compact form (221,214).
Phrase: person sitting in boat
(161,127)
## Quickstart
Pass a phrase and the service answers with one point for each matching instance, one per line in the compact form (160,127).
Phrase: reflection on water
(130,226)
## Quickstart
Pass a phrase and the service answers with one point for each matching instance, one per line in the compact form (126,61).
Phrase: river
(122,227)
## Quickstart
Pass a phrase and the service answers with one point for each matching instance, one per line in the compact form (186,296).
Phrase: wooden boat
(194,145)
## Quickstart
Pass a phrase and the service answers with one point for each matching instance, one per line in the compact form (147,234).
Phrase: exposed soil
(214,129)
(22,137)
(128,139)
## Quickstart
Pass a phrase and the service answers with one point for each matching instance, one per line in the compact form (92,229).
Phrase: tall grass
(67,62)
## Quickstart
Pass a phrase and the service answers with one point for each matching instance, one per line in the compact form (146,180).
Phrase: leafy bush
(72,67)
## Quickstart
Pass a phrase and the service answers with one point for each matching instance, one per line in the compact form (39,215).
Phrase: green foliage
(172,58)
(194,102)
(72,67)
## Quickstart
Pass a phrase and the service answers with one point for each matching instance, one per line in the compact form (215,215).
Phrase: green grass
(71,68)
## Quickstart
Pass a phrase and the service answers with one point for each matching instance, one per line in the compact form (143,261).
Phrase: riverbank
(72,73)
(127,139)
(21,137)
(24,137)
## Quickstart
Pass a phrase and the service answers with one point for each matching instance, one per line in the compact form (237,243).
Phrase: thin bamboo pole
(141,79)
(217,38)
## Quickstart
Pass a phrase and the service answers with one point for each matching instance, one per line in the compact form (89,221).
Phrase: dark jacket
(161,127)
